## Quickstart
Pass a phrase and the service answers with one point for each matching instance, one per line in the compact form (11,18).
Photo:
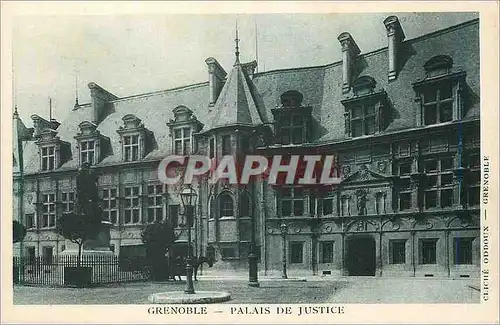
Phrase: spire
(237,40)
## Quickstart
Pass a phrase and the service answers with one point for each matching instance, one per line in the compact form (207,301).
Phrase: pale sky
(134,54)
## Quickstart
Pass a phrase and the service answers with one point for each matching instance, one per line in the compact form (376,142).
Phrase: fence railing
(50,271)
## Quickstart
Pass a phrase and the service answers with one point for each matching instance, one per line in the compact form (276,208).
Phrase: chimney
(99,101)
(350,51)
(39,124)
(250,68)
(216,77)
(395,37)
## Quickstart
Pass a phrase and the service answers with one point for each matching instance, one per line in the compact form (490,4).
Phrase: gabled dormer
(182,129)
(292,120)
(51,149)
(440,94)
(90,143)
(366,109)
(133,138)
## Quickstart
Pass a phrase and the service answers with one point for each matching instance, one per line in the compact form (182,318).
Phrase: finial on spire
(237,46)
(16,113)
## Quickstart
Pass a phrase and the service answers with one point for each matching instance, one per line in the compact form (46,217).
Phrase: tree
(84,222)
(18,231)
(158,237)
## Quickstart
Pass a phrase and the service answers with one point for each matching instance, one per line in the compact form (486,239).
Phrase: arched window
(245,208)
(226,205)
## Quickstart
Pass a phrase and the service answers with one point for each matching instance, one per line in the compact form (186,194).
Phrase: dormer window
(87,152)
(48,157)
(365,111)
(133,140)
(131,148)
(182,128)
(90,142)
(292,120)
(182,141)
(440,93)
(52,150)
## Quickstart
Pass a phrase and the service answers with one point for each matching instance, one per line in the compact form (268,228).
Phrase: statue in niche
(361,201)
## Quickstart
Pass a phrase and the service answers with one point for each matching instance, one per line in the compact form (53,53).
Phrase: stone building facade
(403,123)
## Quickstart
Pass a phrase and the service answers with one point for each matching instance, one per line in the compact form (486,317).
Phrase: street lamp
(284,231)
(188,198)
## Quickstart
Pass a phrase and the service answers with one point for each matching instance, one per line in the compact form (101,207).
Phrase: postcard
(237,162)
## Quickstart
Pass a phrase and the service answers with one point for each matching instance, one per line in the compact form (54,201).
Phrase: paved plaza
(272,290)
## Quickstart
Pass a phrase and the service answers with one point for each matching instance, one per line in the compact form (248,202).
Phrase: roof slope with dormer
(246,100)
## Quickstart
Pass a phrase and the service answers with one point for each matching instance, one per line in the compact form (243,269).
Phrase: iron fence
(50,271)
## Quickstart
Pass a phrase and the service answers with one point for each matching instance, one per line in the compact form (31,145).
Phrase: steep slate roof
(235,105)
(245,101)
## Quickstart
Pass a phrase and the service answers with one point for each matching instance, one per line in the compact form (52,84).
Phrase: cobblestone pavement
(315,290)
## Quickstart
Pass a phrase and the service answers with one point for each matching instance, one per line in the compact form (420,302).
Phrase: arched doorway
(361,255)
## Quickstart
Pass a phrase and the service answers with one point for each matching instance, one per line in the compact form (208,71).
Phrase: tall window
(296,252)
(226,145)
(245,209)
(30,221)
(428,251)
(211,148)
(226,205)
(326,251)
(132,205)
(131,147)
(439,186)
(438,104)
(474,180)
(49,211)
(363,120)
(182,141)
(292,201)
(87,152)
(462,250)
(67,200)
(344,206)
(173,214)
(327,206)
(292,129)
(155,203)
(109,205)
(48,158)
(397,250)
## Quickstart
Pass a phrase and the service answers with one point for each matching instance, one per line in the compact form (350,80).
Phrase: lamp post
(284,231)
(188,197)
(253,280)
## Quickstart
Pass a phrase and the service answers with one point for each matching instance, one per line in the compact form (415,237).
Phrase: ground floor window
(47,253)
(428,251)
(462,250)
(296,252)
(397,250)
(326,252)
(229,251)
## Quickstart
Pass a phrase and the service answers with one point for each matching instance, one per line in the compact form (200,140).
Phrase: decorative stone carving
(361,201)
(361,226)
(346,170)
(381,166)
